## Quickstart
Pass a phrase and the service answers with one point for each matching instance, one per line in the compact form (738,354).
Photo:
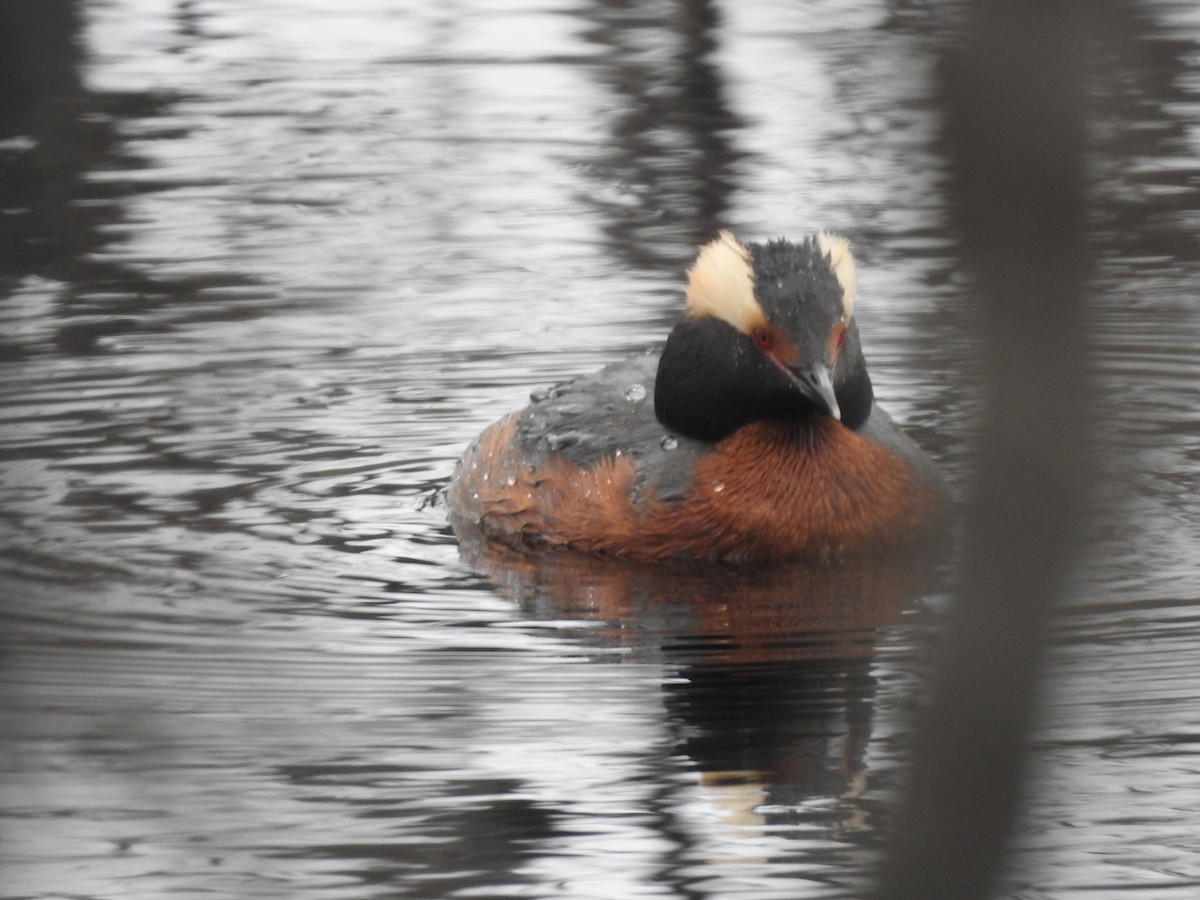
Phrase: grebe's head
(769,332)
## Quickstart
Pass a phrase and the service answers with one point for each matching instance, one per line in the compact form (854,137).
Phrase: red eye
(762,338)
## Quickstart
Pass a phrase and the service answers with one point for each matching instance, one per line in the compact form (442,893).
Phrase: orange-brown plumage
(763,444)
(772,491)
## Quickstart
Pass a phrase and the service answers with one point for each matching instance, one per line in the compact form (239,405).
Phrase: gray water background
(269,268)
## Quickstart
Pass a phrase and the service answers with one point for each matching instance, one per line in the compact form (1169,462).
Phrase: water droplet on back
(635,393)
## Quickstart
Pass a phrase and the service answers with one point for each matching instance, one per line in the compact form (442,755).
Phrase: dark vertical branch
(40,99)
(671,141)
(1015,99)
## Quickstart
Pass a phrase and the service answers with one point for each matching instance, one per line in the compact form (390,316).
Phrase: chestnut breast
(587,467)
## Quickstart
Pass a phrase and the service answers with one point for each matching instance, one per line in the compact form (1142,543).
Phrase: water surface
(273,265)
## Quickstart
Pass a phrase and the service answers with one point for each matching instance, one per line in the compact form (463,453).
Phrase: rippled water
(273,265)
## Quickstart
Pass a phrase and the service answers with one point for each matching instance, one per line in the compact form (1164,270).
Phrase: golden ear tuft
(721,284)
(841,260)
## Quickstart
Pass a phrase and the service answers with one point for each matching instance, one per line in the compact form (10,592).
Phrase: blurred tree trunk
(1014,87)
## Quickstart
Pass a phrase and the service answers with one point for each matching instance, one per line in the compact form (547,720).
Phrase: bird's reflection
(769,686)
